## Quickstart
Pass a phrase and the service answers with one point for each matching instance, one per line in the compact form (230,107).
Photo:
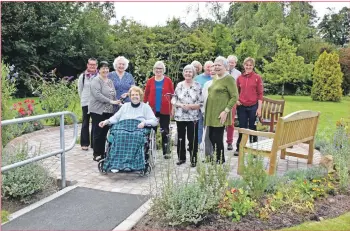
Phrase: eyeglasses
(158,68)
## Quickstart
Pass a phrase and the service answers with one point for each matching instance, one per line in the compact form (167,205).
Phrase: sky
(157,13)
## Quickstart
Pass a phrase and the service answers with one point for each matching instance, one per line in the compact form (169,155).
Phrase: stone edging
(135,217)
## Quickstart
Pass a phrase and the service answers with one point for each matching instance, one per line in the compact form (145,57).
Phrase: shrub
(8,88)
(255,176)
(236,203)
(23,182)
(184,203)
(327,78)
(340,149)
(314,172)
(4,216)
(55,95)
(344,60)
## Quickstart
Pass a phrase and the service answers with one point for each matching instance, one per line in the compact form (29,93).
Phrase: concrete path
(81,168)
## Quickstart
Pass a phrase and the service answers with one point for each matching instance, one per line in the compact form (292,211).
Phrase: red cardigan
(250,88)
(150,95)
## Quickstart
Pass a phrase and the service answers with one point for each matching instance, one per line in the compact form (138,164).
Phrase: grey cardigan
(99,95)
(84,90)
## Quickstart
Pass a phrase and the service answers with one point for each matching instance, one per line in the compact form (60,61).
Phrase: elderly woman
(122,80)
(134,110)
(222,95)
(158,92)
(198,66)
(187,101)
(101,107)
(251,93)
(205,142)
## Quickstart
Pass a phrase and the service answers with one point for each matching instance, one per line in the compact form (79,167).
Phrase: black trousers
(85,133)
(247,118)
(192,135)
(216,136)
(164,121)
(100,134)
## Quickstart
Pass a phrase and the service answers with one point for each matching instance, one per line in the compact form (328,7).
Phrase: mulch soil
(330,207)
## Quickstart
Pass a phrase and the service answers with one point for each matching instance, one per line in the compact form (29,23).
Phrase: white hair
(208,63)
(232,57)
(121,58)
(189,67)
(222,60)
(159,63)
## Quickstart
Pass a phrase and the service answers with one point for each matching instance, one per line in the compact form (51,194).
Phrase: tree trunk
(282,91)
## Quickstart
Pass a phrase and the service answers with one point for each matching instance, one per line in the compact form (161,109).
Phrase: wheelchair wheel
(100,167)
(152,150)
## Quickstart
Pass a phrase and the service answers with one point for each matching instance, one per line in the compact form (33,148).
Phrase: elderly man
(84,94)
(232,61)
(202,79)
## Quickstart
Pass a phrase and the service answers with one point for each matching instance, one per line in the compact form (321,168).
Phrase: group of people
(203,104)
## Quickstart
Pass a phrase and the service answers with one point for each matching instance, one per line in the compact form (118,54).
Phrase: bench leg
(241,154)
(273,160)
(283,154)
(310,156)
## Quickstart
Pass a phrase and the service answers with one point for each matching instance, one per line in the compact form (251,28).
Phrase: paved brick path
(81,168)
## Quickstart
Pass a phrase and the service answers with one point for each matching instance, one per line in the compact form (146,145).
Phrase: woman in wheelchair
(126,140)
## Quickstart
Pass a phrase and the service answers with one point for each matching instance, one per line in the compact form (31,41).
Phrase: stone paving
(81,168)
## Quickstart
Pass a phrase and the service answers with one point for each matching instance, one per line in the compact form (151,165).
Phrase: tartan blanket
(126,146)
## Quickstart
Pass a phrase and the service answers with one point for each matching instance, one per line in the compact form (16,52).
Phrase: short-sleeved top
(202,79)
(187,95)
(122,85)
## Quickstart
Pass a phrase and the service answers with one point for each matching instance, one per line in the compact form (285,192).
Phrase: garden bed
(13,205)
(330,207)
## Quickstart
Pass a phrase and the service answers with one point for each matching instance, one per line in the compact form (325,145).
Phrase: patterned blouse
(109,108)
(185,95)
(122,85)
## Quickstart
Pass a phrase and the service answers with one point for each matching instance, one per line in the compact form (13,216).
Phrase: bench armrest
(256,133)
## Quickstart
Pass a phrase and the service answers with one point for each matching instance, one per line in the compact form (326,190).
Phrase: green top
(222,94)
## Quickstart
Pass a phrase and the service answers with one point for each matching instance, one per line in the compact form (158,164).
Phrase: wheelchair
(148,153)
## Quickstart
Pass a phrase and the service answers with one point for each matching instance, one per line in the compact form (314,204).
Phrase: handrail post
(62,144)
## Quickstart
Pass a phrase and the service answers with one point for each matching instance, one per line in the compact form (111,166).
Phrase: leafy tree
(327,78)
(335,27)
(311,49)
(344,61)
(222,38)
(286,66)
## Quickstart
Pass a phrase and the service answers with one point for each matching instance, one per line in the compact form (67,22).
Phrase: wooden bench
(271,110)
(295,128)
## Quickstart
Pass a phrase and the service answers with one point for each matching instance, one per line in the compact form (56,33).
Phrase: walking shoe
(229,147)
(166,156)
(181,162)
(236,153)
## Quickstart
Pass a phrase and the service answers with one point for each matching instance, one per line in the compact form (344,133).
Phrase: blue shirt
(159,89)
(122,85)
(202,79)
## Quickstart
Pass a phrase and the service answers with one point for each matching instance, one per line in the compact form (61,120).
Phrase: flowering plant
(27,108)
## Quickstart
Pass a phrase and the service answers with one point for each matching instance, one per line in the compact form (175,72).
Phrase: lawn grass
(339,223)
(330,111)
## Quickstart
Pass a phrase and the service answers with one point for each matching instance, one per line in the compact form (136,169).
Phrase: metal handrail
(62,144)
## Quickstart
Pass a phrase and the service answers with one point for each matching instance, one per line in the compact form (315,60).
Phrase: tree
(286,66)
(327,78)
(222,38)
(344,60)
(335,27)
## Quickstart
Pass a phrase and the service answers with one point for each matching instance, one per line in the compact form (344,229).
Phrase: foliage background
(63,39)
